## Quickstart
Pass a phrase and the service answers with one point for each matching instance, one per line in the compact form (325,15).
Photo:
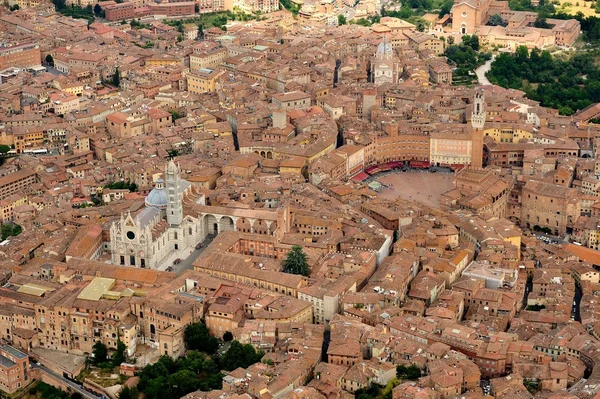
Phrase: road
(70,383)
(186,263)
(480,72)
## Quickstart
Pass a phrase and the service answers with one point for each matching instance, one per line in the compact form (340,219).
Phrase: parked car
(170,268)
(199,245)
(177,261)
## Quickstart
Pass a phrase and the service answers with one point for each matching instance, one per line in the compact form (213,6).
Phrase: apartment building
(15,182)
(20,56)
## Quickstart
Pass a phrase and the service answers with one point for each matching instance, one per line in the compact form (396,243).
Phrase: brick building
(20,56)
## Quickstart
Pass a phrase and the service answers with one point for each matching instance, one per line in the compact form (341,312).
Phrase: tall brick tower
(478,116)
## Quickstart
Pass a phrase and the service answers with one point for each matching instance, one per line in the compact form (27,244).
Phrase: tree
(129,393)
(14,7)
(97,9)
(341,19)
(239,355)
(450,40)
(99,352)
(179,38)
(412,372)
(119,355)
(296,262)
(197,336)
(4,148)
(496,20)
(445,8)
(540,22)
(200,32)
(59,4)
(471,41)
(50,60)
(10,230)
(116,78)
(184,382)
(228,336)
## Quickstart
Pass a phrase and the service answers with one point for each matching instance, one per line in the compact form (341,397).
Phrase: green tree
(341,19)
(184,382)
(99,352)
(296,262)
(129,393)
(471,41)
(228,336)
(412,372)
(540,22)
(239,355)
(97,9)
(14,7)
(49,60)
(496,20)
(4,148)
(197,337)
(445,8)
(179,38)
(450,40)
(10,230)
(119,355)
(116,78)
(200,32)
(59,4)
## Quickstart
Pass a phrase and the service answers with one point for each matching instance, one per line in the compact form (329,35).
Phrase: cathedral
(158,231)
(385,65)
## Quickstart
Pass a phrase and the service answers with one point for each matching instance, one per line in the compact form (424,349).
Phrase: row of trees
(122,185)
(567,84)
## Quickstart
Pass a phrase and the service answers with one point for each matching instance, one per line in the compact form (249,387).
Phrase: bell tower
(478,115)
(174,200)
(477,123)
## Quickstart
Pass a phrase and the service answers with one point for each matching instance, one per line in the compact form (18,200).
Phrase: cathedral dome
(158,196)
(384,48)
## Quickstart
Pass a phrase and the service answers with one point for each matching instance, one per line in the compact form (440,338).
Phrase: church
(158,231)
(385,65)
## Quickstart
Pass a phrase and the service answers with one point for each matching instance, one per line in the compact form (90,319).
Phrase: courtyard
(422,187)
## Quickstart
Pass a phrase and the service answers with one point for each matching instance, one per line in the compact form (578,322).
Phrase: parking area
(424,187)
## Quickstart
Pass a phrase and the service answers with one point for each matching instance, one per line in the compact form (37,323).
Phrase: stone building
(159,230)
(384,67)
(548,205)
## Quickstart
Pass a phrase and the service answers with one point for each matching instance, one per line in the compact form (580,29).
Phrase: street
(480,72)
(186,264)
(576,313)
(74,386)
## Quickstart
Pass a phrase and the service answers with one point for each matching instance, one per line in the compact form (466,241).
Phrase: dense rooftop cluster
(154,178)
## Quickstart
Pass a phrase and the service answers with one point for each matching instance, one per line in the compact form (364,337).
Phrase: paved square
(422,187)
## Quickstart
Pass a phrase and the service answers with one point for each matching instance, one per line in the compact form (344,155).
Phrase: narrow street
(576,311)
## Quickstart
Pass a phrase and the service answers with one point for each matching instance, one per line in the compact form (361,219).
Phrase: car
(170,268)
(199,245)
(177,261)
